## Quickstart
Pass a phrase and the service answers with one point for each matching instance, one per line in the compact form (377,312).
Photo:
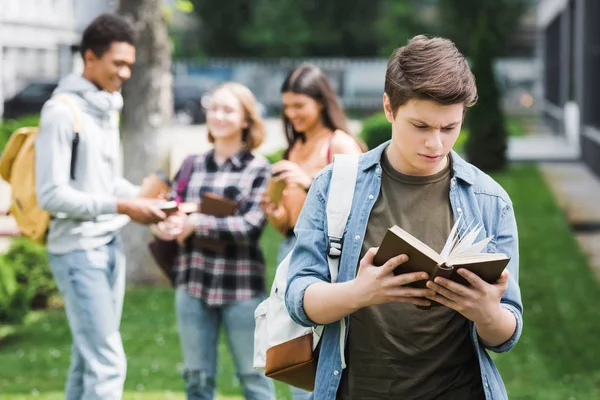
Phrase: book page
(459,248)
(417,244)
(477,258)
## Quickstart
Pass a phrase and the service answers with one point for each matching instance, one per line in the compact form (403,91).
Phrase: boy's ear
(387,108)
(89,56)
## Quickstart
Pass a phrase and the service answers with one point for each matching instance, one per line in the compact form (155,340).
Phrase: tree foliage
(483,30)
(309,28)
(397,22)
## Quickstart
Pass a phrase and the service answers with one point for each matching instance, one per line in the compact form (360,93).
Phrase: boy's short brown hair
(429,69)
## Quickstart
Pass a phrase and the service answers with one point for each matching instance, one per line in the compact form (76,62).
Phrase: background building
(37,38)
(570,42)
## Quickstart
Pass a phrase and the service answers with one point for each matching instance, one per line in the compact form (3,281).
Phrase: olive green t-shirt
(395,350)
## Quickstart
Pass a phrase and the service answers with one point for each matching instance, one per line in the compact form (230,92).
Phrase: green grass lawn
(558,357)
(34,359)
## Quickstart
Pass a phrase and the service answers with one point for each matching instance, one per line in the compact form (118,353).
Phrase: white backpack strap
(339,203)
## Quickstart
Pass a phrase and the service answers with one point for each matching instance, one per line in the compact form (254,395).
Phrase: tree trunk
(148,108)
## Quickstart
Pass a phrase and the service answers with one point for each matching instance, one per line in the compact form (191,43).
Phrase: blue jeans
(287,244)
(92,283)
(198,326)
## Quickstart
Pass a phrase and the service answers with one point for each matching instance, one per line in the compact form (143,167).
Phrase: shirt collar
(460,168)
(238,160)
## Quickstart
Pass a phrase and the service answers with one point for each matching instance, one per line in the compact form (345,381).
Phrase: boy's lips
(429,158)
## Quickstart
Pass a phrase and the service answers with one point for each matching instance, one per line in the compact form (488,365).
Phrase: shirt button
(357,237)
(459,209)
(371,197)
(336,372)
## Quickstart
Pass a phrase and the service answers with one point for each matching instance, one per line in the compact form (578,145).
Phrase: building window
(552,62)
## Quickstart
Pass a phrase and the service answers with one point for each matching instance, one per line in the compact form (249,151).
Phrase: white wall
(1,64)
(548,10)
(87,10)
(30,34)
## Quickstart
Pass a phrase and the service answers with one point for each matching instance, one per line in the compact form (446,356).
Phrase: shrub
(274,157)
(28,282)
(9,126)
(11,296)
(376,130)
(459,146)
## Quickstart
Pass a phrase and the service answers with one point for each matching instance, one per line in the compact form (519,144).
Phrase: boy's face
(110,70)
(423,133)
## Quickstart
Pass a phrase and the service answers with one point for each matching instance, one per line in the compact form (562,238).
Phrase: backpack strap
(343,182)
(339,203)
(185,174)
(68,100)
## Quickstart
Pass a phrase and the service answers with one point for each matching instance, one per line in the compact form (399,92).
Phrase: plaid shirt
(238,273)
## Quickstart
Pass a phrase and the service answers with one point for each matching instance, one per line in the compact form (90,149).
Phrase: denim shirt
(473,195)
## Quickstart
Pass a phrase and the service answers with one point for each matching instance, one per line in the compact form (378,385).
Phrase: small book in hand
(217,206)
(458,252)
(168,207)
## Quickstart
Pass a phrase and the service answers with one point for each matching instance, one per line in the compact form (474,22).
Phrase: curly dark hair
(103,31)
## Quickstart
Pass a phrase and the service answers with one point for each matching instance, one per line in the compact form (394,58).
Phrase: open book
(458,252)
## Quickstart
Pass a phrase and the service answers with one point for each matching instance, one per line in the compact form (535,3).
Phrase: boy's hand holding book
(479,302)
(141,210)
(378,285)
(460,252)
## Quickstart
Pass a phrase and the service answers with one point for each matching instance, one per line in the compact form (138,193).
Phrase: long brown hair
(309,80)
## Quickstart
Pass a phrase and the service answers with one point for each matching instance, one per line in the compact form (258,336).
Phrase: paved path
(542,147)
(577,191)
(575,187)
(540,144)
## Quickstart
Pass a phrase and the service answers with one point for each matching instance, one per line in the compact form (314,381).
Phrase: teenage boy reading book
(414,181)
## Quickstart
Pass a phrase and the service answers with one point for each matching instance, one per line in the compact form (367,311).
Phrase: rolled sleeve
(507,242)
(510,343)
(294,299)
(308,262)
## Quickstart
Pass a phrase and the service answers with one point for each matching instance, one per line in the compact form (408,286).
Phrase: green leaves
(25,280)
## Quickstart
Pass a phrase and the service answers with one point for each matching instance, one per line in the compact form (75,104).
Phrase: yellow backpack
(17,167)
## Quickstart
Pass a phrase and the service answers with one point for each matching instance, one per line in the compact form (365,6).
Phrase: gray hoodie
(84,209)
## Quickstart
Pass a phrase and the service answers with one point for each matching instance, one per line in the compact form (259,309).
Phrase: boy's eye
(421,126)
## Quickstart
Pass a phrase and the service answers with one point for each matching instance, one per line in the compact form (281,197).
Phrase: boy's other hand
(378,285)
(141,210)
